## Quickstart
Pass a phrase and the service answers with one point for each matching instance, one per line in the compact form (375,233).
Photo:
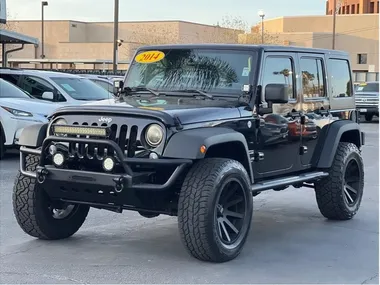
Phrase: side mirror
(48,96)
(276,93)
(117,87)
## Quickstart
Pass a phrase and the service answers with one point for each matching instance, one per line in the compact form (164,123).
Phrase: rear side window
(313,83)
(340,76)
(12,78)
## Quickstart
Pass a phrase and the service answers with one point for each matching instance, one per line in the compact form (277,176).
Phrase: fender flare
(330,136)
(33,136)
(186,144)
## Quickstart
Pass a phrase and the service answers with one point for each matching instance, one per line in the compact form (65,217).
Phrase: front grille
(125,132)
(366,100)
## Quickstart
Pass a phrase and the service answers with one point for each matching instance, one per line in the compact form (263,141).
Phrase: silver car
(367,99)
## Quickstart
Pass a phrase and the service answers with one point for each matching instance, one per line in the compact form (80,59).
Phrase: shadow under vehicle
(194,145)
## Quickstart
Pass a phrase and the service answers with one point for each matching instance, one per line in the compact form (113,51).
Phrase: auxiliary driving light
(58,159)
(108,164)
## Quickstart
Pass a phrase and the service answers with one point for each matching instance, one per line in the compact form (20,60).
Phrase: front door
(279,140)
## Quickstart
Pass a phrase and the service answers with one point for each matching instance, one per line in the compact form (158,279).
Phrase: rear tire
(34,210)
(215,209)
(339,195)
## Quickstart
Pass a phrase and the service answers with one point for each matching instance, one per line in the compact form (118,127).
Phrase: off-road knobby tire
(196,205)
(329,191)
(32,214)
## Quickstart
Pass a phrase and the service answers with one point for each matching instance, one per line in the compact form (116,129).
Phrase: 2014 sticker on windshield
(150,56)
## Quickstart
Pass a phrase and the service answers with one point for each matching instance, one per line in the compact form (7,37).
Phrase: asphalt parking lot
(290,242)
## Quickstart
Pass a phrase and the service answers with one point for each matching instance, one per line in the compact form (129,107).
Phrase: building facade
(347,7)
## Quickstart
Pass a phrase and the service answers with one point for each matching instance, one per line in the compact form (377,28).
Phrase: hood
(187,114)
(34,106)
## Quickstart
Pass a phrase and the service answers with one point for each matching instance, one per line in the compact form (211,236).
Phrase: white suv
(59,87)
(18,110)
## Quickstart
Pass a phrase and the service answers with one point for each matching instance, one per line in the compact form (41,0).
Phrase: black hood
(168,113)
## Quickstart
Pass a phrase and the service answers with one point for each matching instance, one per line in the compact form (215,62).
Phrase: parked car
(107,82)
(18,109)
(367,99)
(63,88)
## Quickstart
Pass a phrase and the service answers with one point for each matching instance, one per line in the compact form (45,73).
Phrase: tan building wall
(79,40)
(356,34)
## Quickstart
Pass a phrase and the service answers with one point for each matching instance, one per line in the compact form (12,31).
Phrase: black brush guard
(96,187)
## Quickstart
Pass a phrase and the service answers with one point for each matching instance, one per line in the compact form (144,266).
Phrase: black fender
(33,136)
(329,138)
(186,144)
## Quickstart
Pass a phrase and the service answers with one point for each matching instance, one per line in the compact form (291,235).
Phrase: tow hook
(41,175)
(119,184)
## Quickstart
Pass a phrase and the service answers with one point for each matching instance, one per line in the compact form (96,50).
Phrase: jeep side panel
(187,145)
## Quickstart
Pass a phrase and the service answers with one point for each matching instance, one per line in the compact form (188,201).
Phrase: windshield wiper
(130,90)
(201,92)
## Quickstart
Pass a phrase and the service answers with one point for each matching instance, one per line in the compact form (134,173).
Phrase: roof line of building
(306,16)
(110,22)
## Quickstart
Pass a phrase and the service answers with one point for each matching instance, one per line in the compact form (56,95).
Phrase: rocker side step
(287,181)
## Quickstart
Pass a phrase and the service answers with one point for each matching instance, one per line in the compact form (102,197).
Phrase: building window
(372,7)
(279,70)
(358,8)
(353,8)
(341,82)
(362,58)
(348,9)
(343,10)
(313,84)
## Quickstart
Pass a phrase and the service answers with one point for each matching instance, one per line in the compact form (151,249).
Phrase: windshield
(8,90)
(368,87)
(213,71)
(82,88)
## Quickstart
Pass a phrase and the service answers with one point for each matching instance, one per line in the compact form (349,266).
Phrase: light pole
(43,4)
(334,23)
(116,36)
(262,15)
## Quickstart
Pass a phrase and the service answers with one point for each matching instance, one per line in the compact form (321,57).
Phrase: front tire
(339,195)
(215,209)
(368,117)
(37,215)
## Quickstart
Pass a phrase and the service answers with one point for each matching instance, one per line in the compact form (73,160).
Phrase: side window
(36,86)
(12,78)
(313,77)
(279,70)
(340,75)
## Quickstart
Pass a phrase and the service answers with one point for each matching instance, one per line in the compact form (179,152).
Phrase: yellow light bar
(85,131)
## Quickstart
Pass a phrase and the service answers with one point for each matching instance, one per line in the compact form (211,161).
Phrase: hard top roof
(279,48)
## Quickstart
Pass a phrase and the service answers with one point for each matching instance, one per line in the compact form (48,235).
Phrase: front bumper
(98,187)
(363,109)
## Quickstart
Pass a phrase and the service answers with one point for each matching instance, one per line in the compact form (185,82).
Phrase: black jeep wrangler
(196,131)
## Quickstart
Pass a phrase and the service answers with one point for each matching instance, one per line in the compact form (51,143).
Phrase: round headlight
(154,135)
(60,122)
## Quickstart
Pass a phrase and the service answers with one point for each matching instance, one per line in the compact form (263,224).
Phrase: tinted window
(8,90)
(36,86)
(82,88)
(368,87)
(312,78)
(279,70)
(12,78)
(223,72)
(340,75)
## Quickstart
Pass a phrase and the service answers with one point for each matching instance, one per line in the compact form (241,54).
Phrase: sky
(201,11)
